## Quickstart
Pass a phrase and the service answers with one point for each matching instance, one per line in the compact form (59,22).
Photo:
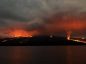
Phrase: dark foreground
(39,40)
(42,54)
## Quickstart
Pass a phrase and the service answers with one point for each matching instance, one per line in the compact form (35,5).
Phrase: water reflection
(42,55)
(49,55)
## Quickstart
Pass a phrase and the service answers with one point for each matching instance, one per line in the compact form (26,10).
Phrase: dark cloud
(41,15)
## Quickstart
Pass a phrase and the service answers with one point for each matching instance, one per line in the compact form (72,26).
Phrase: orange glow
(21,33)
(68,35)
(74,25)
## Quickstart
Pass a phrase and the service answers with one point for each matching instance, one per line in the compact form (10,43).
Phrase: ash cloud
(41,15)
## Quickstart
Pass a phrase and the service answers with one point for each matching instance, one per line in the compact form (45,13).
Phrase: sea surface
(42,54)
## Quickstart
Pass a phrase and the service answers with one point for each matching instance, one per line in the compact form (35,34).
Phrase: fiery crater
(21,33)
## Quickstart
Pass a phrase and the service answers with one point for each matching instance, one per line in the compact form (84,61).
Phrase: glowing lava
(68,35)
(21,33)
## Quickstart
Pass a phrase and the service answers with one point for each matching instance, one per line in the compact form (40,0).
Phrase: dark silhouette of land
(38,40)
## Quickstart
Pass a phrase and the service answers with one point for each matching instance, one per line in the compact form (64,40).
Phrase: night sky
(45,16)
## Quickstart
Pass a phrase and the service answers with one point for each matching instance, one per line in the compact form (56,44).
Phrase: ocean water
(42,55)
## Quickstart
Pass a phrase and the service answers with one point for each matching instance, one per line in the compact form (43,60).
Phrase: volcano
(38,40)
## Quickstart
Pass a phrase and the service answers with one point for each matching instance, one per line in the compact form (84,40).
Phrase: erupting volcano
(21,33)
(68,35)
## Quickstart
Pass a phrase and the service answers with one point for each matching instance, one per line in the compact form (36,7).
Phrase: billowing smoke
(44,16)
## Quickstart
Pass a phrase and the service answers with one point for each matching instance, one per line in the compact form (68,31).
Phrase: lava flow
(21,33)
(68,35)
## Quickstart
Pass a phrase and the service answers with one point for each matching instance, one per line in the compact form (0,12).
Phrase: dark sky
(46,16)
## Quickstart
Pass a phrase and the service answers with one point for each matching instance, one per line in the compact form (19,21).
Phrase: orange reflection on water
(20,55)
